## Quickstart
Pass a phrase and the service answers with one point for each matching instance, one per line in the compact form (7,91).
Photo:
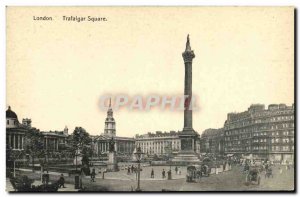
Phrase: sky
(57,70)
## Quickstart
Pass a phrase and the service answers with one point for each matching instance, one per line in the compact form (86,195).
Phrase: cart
(253,176)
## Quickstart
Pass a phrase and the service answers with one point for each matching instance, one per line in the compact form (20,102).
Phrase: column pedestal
(187,154)
(112,165)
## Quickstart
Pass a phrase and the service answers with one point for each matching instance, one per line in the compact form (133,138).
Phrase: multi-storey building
(212,141)
(261,133)
(55,140)
(123,145)
(161,143)
(16,134)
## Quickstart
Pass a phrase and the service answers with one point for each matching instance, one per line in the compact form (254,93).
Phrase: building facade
(161,143)
(212,141)
(53,141)
(261,133)
(123,145)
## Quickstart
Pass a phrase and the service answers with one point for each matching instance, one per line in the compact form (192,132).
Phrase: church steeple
(110,111)
(110,124)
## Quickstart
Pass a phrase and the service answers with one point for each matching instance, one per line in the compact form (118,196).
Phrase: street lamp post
(138,154)
(14,168)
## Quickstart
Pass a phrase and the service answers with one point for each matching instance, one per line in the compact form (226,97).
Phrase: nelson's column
(188,136)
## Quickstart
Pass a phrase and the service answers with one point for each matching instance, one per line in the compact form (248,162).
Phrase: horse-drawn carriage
(253,176)
(195,172)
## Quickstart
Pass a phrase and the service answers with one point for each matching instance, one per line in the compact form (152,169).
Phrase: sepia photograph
(150,99)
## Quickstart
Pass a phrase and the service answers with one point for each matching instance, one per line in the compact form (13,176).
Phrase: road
(233,180)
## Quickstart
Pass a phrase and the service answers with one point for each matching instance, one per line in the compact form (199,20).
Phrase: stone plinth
(187,154)
(112,164)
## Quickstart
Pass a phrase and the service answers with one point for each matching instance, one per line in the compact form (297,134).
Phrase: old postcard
(150,99)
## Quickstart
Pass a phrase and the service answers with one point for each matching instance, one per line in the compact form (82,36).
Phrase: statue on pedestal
(112,145)
(112,159)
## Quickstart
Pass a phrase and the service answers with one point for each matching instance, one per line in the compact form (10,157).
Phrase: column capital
(188,55)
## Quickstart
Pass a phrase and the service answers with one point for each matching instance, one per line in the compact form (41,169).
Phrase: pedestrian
(266,167)
(163,174)
(128,170)
(61,181)
(44,178)
(152,173)
(169,174)
(93,175)
(176,170)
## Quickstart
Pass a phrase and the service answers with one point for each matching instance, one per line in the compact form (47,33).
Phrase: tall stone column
(116,146)
(9,139)
(14,141)
(57,144)
(188,56)
(22,142)
(19,141)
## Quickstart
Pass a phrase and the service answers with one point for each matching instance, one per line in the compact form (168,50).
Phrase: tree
(34,145)
(81,140)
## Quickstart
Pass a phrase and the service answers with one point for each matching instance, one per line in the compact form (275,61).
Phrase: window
(285,148)
(273,148)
